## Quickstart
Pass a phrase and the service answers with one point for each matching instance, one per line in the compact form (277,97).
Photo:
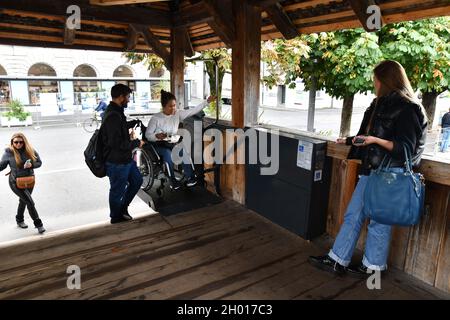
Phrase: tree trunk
(312,104)
(346,116)
(429,103)
(211,70)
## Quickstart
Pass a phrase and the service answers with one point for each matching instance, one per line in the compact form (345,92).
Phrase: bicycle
(93,123)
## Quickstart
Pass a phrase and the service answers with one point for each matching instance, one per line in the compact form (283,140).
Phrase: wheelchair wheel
(145,167)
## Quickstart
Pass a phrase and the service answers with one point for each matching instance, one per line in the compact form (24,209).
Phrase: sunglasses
(18,142)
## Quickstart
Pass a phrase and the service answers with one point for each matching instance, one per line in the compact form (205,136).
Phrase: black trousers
(25,200)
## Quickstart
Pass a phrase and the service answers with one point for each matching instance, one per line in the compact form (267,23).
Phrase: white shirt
(162,123)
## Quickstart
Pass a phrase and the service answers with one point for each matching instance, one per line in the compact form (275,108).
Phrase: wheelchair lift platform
(185,199)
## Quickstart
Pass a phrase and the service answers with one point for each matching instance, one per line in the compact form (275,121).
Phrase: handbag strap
(382,165)
(408,159)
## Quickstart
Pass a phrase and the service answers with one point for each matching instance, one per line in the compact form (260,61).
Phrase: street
(67,194)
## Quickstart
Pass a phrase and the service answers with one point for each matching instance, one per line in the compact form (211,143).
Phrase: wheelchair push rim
(145,167)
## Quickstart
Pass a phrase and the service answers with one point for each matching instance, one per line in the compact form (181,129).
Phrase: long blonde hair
(392,77)
(29,150)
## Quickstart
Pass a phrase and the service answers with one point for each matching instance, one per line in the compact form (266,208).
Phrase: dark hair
(120,90)
(166,97)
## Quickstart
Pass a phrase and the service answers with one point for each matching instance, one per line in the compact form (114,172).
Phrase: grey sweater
(8,159)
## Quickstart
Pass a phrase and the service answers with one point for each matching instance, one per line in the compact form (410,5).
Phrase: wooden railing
(422,251)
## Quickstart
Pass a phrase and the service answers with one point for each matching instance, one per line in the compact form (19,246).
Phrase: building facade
(62,80)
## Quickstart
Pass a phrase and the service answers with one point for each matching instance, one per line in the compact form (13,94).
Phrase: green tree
(423,48)
(350,57)
(210,57)
(339,62)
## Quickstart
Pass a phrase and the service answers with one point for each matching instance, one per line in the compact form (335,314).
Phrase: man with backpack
(124,176)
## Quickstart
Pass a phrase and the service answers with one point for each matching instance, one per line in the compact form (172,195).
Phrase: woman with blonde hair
(22,159)
(394,120)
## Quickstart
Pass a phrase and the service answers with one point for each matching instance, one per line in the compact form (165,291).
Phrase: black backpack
(93,155)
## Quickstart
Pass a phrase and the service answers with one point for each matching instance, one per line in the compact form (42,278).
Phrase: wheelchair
(154,171)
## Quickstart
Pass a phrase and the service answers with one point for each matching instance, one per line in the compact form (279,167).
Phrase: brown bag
(25,182)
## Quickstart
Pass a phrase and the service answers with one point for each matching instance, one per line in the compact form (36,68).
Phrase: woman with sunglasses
(22,159)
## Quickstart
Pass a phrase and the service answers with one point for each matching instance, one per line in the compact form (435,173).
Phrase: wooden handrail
(433,170)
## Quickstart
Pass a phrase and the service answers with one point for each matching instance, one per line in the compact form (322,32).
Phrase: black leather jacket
(398,120)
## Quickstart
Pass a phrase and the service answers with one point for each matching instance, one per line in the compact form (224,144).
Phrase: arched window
(84,71)
(123,72)
(4,88)
(85,90)
(157,72)
(44,86)
(3,71)
(41,70)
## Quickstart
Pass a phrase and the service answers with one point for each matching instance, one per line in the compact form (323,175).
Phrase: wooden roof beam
(222,25)
(188,48)
(262,3)
(120,2)
(69,34)
(368,19)
(152,17)
(282,21)
(153,42)
(132,40)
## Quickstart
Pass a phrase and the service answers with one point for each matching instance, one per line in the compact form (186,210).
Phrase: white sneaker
(41,229)
(22,225)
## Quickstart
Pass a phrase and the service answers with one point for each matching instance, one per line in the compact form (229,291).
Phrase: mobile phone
(359,141)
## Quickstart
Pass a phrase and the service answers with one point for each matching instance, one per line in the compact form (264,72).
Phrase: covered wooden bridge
(224,250)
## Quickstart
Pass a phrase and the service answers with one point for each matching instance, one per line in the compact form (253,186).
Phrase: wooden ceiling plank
(139,15)
(120,2)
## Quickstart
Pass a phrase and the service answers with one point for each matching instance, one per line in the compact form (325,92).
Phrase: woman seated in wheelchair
(165,124)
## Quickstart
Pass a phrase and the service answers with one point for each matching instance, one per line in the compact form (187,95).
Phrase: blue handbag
(393,198)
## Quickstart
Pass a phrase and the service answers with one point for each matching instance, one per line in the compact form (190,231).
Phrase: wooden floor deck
(219,252)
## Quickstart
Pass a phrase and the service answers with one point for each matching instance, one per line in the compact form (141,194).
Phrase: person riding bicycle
(101,107)
(165,124)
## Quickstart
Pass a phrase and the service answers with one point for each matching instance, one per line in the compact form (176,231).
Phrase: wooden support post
(246,64)
(245,81)
(177,60)
(69,34)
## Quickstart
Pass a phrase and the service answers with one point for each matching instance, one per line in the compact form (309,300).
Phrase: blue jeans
(378,235)
(166,155)
(125,180)
(445,139)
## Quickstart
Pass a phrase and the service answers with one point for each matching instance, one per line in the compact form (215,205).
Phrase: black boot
(125,214)
(327,264)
